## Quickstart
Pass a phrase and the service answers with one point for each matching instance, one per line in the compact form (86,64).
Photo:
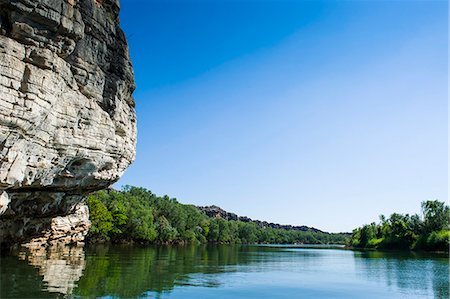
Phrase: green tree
(166,232)
(408,232)
(214,230)
(367,233)
(436,216)
(247,232)
(101,219)
(136,214)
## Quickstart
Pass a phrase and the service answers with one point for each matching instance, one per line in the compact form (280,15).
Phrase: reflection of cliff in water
(404,269)
(59,266)
(129,271)
(122,271)
(154,271)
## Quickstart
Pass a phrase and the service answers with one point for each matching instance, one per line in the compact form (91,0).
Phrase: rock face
(67,119)
(217,212)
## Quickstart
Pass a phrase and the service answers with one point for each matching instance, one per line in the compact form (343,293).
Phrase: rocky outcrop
(217,212)
(67,119)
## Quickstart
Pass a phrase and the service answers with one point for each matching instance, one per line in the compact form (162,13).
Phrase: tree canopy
(429,232)
(137,215)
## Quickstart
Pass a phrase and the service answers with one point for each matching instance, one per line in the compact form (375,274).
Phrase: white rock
(66,106)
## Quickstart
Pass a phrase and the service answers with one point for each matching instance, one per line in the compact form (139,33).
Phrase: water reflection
(227,271)
(129,271)
(58,269)
(414,273)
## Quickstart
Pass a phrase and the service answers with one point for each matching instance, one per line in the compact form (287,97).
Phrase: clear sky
(318,113)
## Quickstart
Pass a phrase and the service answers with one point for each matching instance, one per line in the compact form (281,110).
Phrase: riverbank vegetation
(137,215)
(430,231)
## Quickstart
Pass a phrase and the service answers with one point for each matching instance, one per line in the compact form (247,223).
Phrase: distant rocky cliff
(215,211)
(67,119)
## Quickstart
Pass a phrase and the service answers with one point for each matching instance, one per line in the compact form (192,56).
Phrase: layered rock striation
(67,119)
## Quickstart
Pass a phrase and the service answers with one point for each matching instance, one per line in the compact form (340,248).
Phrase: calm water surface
(222,271)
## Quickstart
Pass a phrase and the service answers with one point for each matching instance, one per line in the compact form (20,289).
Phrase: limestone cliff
(67,119)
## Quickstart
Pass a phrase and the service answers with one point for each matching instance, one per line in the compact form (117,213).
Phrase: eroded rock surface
(67,120)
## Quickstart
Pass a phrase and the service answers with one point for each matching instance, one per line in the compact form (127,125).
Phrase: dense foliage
(137,215)
(429,232)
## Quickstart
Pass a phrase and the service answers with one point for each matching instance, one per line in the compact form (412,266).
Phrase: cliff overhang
(67,118)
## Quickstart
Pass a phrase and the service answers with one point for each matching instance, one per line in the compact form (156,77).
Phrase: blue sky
(319,113)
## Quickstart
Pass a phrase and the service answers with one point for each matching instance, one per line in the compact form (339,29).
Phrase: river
(222,271)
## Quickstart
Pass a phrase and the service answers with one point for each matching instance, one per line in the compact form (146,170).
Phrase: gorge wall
(67,119)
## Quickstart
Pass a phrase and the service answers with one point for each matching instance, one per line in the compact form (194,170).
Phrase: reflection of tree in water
(132,271)
(59,266)
(124,271)
(423,272)
(129,271)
